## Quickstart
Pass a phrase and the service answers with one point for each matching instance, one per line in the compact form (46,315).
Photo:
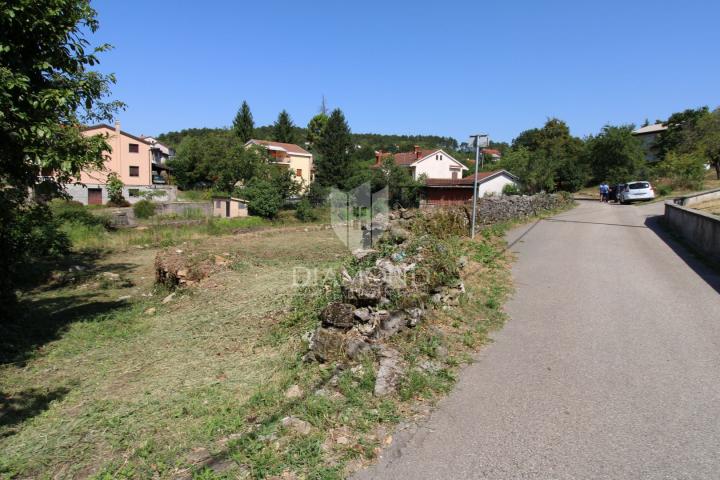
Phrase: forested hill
(374,141)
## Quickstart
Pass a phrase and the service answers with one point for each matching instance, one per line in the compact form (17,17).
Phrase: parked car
(614,191)
(158,179)
(634,191)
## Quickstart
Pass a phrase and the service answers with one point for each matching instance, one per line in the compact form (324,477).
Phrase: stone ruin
(383,297)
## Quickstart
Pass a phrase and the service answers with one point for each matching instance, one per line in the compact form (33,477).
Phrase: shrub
(70,211)
(115,188)
(317,195)
(144,209)
(685,170)
(263,197)
(664,190)
(304,211)
(511,189)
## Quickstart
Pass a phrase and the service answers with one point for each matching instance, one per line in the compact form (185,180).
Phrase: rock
(362,315)
(169,298)
(430,366)
(362,253)
(182,273)
(364,289)
(327,343)
(220,260)
(366,329)
(391,324)
(124,297)
(199,457)
(150,311)
(462,262)
(389,372)
(397,234)
(338,315)
(301,427)
(111,276)
(407,214)
(357,347)
(342,440)
(415,315)
(294,392)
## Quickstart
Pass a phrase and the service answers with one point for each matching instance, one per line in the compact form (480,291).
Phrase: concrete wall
(79,192)
(697,228)
(126,216)
(699,198)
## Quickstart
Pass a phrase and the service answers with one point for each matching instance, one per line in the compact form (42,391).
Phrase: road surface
(608,369)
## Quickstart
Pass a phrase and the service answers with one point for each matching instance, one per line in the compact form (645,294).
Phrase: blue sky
(446,68)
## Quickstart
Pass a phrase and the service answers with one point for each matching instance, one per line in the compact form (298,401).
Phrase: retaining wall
(699,229)
(126,216)
(696,198)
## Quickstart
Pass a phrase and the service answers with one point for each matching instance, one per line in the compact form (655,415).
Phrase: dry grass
(712,207)
(130,386)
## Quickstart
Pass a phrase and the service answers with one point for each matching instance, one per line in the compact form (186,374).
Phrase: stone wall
(699,229)
(126,216)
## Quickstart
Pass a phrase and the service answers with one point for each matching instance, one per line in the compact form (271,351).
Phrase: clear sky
(411,67)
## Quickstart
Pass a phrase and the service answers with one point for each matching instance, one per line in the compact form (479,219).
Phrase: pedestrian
(604,191)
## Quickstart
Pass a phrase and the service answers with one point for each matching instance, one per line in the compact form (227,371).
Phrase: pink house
(131,157)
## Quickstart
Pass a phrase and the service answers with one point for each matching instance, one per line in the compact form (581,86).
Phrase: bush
(304,211)
(263,197)
(144,209)
(511,189)
(114,189)
(317,195)
(685,170)
(664,190)
(70,211)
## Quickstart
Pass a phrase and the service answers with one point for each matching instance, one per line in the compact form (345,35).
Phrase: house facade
(298,160)
(460,191)
(130,158)
(432,163)
(648,135)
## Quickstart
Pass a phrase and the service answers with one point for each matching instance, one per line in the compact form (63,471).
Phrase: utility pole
(480,140)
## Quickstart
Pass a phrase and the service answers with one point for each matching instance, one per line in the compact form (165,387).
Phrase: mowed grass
(125,393)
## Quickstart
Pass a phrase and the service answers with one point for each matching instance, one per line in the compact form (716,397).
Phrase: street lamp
(480,140)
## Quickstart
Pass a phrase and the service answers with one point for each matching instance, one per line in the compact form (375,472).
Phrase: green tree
(115,190)
(315,128)
(263,198)
(47,91)
(616,155)
(685,170)
(704,138)
(243,125)
(334,150)
(677,125)
(403,190)
(284,129)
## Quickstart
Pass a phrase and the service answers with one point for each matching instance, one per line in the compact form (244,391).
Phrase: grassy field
(712,207)
(101,378)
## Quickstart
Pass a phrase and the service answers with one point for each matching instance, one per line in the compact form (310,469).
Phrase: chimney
(378,157)
(417,151)
(117,127)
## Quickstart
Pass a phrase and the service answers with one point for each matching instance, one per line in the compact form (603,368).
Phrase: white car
(634,191)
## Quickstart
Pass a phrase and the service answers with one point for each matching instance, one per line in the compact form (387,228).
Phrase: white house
(648,135)
(460,191)
(433,163)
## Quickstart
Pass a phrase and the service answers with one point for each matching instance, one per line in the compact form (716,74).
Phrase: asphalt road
(608,369)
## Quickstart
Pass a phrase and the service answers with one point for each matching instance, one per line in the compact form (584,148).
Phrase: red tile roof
(408,158)
(460,182)
(290,147)
(491,151)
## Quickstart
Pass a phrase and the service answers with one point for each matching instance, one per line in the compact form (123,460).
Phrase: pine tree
(243,125)
(334,148)
(284,129)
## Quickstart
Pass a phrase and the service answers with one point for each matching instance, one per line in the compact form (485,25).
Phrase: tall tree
(677,124)
(315,128)
(705,138)
(283,128)
(334,148)
(46,92)
(616,155)
(243,125)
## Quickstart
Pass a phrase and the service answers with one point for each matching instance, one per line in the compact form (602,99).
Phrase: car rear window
(638,185)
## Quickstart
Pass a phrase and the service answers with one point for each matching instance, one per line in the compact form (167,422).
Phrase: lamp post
(480,140)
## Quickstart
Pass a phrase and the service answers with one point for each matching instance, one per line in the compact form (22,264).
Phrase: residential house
(298,160)
(492,154)
(130,158)
(432,163)
(160,154)
(648,135)
(460,191)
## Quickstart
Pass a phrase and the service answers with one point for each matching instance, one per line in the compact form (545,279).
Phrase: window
(133,148)
(134,171)
(437,157)
(134,192)
(638,185)
(298,172)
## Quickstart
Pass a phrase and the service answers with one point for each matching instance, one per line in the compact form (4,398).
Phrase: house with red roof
(433,163)
(298,160)
(460,191)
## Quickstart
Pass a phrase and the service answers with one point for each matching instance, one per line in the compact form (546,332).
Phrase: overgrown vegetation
(144,209)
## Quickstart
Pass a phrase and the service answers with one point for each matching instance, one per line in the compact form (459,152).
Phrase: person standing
(604,191)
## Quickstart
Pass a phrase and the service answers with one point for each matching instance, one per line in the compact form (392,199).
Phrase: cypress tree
(334,148)
(284,129)
(243,125)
